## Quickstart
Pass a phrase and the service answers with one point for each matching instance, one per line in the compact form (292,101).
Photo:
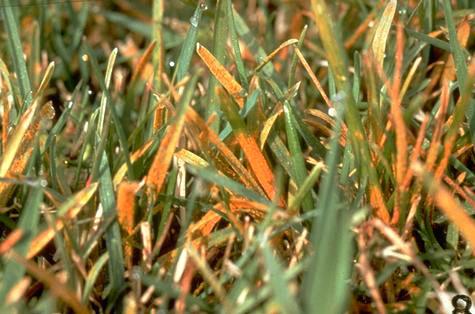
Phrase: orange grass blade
(72,207)
(448,205)
(221,74)
(163,158)
(252,152)
(213,138)
(21,146)
(12,239)
(126,212)
(142,62)
(119,175)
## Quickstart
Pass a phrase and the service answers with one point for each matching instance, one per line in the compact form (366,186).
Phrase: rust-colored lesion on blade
(245,177)
(221,74)
(258,164)
(24,152)
(159,169)
(237,206)
(446,202)
(126,213)
(377,202)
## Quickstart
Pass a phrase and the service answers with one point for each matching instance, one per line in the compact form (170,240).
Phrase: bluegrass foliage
(236,156)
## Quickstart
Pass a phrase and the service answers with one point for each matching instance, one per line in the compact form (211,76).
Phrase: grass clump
(274,157)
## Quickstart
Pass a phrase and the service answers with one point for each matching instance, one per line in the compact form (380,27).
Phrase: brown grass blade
(270,56)
(54,285)
(313,78)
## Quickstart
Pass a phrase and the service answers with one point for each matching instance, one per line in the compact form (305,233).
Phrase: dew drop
(203,6)
(194,21)
(171,64)
(332,112)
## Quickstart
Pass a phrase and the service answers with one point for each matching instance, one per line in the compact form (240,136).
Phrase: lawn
(261,156)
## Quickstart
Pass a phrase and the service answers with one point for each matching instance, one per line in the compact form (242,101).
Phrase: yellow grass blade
(378,45)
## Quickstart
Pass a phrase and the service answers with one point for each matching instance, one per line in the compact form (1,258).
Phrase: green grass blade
(221,31)
(281,293)
(325,283)
(28,224)
(189,45)
(16,52)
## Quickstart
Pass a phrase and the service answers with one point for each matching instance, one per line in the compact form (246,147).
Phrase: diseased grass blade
(270,56)
(381,33)
(448,205)
(313,77)
(159,168)
(20,147)
(222,75)
(56,287)
(254,156)
(16,53)
(142,63)
(267,128)
(234,162)
(158,60)
(126,213)
(157,35)
(16,138)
